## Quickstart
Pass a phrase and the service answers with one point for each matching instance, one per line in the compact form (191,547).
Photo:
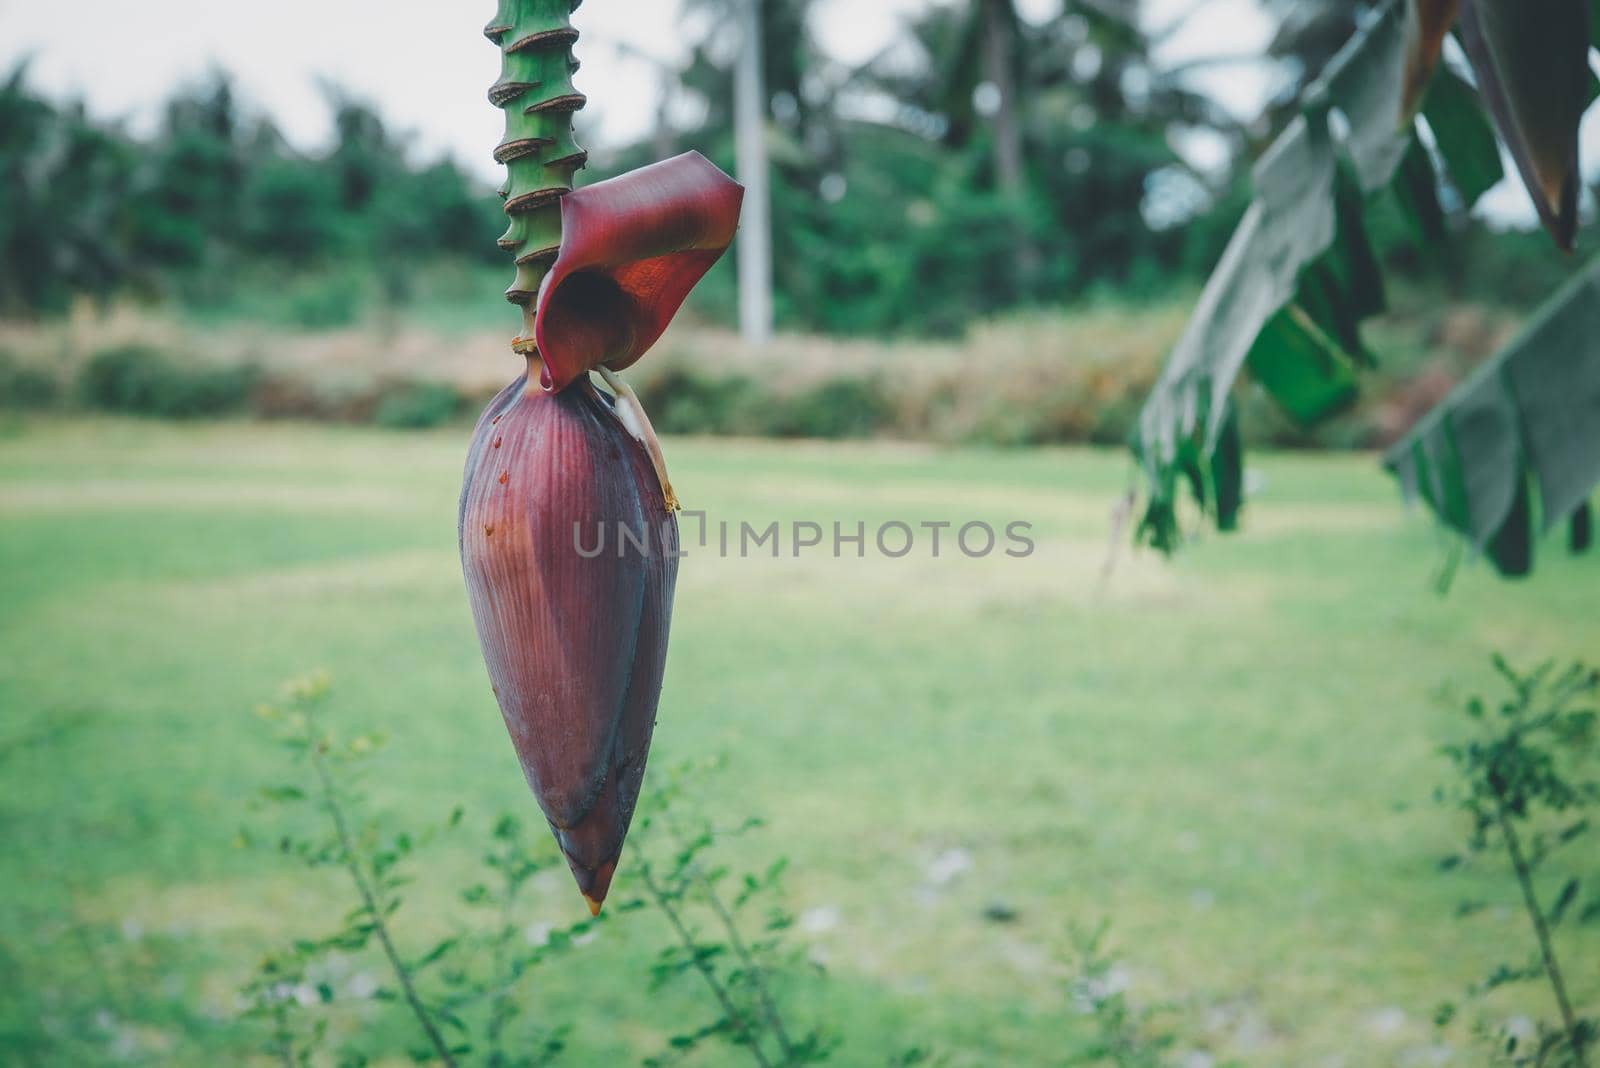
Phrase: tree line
(210,201)
(982,163)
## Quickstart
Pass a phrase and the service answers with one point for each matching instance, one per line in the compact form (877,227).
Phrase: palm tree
(996,23)
(1077,87)
(764,49)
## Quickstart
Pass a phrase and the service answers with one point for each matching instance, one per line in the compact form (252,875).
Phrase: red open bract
(631,250)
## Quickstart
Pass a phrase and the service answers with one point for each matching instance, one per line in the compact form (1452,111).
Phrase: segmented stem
(535,39)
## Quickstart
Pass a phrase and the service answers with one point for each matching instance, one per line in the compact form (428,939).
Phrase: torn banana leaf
(1515,450)
(1301,243)
(1300,274)
(1463,136)
(1217,482)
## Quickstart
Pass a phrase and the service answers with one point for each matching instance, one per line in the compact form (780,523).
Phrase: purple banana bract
(575,639)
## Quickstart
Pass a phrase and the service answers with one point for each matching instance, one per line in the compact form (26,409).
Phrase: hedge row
(145,381)
(1052,381)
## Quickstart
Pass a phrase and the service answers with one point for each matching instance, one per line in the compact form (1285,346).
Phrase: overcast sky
(426,64)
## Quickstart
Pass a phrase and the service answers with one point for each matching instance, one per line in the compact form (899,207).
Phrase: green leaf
(1443,491)
(1564,900)
(1465,140)
(1344,285)
(1516,448)
(1511,548)
(1305,370)
(1297,278)
(438,951)
(1530,417)
(1414,193)
(1366,82)
(1291,222)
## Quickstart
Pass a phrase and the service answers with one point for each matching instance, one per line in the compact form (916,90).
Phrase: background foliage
(906,199)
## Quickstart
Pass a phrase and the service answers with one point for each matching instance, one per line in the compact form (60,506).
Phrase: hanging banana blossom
(569,541)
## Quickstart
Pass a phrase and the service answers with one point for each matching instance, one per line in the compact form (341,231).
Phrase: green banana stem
(535,39)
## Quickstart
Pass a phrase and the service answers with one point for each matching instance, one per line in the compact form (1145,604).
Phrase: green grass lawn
(1232,755)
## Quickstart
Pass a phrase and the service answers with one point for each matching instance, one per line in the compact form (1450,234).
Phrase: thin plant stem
(1541,928)
(370,900)
(769,1007)
(502,967)
(285,1037)
(664,903)
(500,971)
(1120,516)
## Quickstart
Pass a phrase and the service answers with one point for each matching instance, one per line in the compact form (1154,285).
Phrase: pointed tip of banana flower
(632,248)
(595,885)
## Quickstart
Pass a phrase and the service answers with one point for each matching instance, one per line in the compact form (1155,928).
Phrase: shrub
(310,299)
(682,401)
(140,380)
(23,387)
(1528,781)
(417,406)
(325,301)
(686,402)
(471,992)
(841,408)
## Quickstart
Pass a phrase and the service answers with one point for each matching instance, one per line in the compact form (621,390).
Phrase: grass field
(1232,755)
